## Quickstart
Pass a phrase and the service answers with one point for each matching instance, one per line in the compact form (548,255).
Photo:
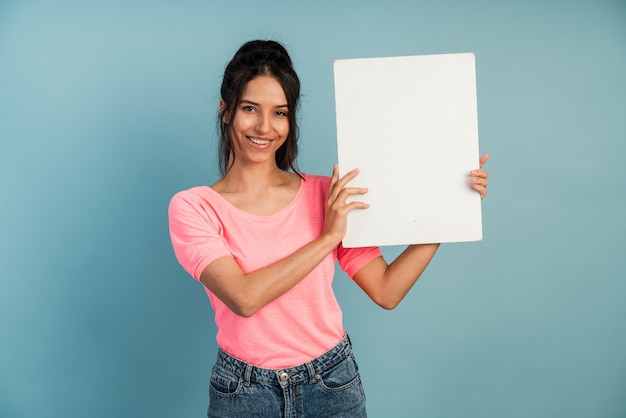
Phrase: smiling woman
(260,122)
(255,59)
(264,240)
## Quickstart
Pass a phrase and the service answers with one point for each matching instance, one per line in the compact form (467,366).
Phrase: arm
(387,284)
(245,294)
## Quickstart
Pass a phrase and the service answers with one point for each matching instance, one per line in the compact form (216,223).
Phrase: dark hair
(253,59)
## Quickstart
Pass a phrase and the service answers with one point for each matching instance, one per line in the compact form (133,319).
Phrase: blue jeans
(328,386)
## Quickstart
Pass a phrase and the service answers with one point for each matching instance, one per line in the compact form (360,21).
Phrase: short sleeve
(351,260)
(196,237)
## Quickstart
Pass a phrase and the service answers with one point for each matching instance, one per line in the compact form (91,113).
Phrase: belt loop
(348,338)
(247,373)
(311,370)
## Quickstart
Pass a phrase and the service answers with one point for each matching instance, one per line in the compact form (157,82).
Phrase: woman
(264,239)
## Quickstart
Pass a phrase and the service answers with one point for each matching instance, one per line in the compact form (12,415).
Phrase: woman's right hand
(337,207)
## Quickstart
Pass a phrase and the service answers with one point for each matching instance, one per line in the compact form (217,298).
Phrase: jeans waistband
(307,371)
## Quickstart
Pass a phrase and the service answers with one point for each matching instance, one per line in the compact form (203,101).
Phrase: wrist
(328,241)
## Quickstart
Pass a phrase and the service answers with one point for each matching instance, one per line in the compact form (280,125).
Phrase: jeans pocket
(342,376)
(224,383)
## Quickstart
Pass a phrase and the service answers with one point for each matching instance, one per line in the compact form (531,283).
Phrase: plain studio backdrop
(107,108)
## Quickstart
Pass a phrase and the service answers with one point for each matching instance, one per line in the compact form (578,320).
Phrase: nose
(263,123)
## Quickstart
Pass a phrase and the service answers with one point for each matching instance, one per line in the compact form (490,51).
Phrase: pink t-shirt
(303,323)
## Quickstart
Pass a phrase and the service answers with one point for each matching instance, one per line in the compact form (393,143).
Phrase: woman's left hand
(478,178)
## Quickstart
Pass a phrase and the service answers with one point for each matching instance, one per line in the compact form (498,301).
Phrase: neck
(252,177)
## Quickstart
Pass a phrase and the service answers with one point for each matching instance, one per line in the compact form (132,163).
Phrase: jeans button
(283,376)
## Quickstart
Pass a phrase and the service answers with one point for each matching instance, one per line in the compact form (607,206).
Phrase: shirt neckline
(234,208)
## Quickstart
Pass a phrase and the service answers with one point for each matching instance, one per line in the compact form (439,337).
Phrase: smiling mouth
(259,141)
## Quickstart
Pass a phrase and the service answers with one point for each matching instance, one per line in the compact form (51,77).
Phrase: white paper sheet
(410,125)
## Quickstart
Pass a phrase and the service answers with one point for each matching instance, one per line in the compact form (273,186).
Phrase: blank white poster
(410,125)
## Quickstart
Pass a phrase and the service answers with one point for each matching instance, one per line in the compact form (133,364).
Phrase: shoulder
(192,195)
(313,191)
(199,199)
(194,209)
(312,180)
(314,185)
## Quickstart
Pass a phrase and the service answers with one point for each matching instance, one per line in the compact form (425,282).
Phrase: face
(260,124)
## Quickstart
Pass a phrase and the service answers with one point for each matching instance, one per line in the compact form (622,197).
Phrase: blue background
(107,108)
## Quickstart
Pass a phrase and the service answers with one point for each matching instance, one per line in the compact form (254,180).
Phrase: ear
(225,116)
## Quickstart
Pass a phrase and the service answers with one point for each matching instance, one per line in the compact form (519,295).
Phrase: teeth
(259,141)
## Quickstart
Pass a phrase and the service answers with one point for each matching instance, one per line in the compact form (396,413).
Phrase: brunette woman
(263,240)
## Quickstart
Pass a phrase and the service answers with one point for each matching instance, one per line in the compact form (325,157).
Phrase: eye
(281,113)
(248,108)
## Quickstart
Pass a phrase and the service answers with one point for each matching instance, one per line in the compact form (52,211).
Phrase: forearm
(274,280)
(245,294)
(386,284)
(406,269)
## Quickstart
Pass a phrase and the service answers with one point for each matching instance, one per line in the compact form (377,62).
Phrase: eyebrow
(257,104)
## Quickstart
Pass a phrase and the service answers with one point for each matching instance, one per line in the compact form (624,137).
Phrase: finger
(350,175)
(332,189)
(477,181)
(344,208)
(357,205)
(338,193)
(341,200)
(341,183)
(482,190)
(480,174)
(483,159)
(335,175)
(351,191)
